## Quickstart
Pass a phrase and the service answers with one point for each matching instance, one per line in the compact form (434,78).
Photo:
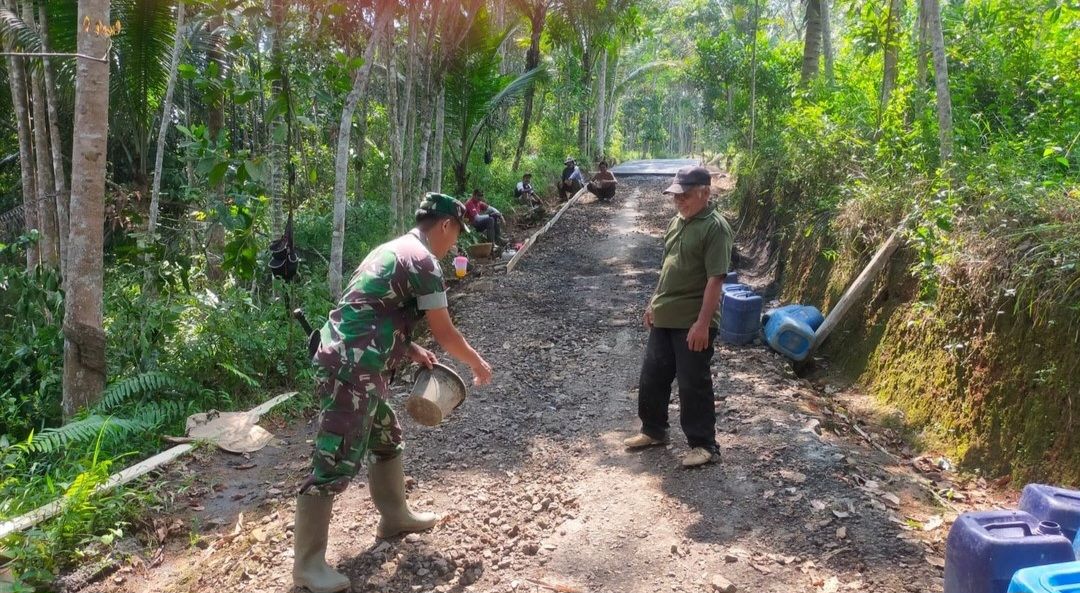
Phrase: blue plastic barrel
(986,548)
(1048,503)
(1053,578)
(740,317)
(790,330)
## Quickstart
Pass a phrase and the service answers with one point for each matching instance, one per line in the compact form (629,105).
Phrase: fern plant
(142,416)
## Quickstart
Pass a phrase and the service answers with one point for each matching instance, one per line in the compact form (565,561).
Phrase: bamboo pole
(855,290)
(529,242)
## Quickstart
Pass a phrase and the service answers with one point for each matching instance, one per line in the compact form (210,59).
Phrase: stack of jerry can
(1060,506)
(1030,550)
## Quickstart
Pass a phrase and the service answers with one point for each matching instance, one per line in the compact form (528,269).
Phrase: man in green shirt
(682,317)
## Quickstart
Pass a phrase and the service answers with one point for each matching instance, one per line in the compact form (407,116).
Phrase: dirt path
(537,493)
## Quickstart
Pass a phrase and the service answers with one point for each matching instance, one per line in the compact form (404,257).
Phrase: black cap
(688,178)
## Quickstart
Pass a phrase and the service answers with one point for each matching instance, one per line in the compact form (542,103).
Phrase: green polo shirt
(694,251)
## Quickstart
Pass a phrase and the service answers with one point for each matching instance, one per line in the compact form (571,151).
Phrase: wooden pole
(855,290)
(529,242)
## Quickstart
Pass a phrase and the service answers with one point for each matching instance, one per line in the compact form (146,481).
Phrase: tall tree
(536,12)
(341,162)
(826,39)
(49,243)
(588,25)
(84,339)
(166,118)
(55,141)
(812,45)
(19,82)
(891,50)
(941,82)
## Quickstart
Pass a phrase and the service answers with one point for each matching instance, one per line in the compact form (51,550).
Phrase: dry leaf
(933,523)
(935,561)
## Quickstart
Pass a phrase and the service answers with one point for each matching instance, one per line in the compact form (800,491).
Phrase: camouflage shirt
(373,323)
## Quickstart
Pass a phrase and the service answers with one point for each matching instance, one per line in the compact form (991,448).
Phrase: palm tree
(475,91)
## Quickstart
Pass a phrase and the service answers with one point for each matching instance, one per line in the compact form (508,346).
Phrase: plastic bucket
(435,394)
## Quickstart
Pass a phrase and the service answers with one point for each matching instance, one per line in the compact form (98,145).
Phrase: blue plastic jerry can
(790,330)
(986,548)
(1053,578)
(1049,503)
(740,316)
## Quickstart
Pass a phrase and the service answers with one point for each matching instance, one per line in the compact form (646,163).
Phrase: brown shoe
(699,456)
(640,441)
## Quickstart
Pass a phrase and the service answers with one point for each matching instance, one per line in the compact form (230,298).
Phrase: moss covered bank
(984,371)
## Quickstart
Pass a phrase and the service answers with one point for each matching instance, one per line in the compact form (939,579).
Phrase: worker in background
(484,218)
(603,184)
(572,179)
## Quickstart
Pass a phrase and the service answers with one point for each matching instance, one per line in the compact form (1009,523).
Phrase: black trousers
(668,357)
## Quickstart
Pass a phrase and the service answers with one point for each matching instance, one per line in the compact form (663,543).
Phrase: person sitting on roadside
(484,218)
(572,179)
(603,183)
(525,193)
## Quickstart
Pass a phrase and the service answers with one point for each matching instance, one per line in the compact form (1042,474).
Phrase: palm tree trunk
(43,167)
(753,76)
(890,70)
(532,60)
(166,118)
(46,186)
(84,339)
(341,160)
(826,39)
(55,142)
(812,46)
(583,114)
(440,139)
(17,79)
(215,123)
(601,100)
(394,130)
(941,82)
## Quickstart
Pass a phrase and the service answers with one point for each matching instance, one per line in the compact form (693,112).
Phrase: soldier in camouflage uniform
(366,336)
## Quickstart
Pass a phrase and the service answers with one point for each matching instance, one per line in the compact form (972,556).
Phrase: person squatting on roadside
(572,179)
(525,193)
(484,218)
(603,184)
(682,318)
(367,336)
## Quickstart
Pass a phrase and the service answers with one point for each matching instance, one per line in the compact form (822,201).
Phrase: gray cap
(688,178)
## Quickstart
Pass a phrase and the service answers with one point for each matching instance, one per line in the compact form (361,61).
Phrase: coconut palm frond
(16,34)
(639,72)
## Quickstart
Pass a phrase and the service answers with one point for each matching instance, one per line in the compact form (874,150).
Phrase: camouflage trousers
(355,422)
